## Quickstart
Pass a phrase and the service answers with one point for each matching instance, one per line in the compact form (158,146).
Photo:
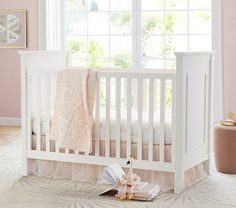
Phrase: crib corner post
(25,165)
(179,125)
(25,161)
(211,119)
(179,185)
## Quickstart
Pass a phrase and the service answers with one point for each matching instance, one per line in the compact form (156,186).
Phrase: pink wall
(229,51)
(10,60)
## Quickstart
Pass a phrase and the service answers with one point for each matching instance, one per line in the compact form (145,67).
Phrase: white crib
(125,100)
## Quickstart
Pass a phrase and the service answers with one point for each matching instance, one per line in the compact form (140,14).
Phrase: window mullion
(134,39)
(139,34)
(164,22)
(109,38)
(188,13)
(136,34)
(87,41)
(63,27)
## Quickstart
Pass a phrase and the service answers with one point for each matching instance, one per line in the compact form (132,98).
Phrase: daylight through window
(135,34)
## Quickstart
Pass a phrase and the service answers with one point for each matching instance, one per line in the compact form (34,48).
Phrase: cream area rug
(217,191)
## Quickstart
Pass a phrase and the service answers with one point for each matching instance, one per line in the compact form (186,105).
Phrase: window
(200,36)
(135,33)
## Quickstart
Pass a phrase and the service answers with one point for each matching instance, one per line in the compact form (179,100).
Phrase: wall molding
(9,121)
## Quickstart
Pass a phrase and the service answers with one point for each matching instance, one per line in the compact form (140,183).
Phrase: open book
(113,175)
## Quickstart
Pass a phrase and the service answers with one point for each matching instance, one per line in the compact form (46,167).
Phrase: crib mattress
(123,148)
(123,127)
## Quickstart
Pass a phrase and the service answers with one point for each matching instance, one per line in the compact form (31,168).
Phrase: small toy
(129,181)
(232,116)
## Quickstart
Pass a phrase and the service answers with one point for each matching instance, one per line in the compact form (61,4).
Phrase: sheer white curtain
(51,23)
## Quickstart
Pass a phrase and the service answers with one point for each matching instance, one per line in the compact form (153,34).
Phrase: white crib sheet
(123,125)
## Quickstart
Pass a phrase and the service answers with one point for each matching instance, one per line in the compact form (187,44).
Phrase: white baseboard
(9,121)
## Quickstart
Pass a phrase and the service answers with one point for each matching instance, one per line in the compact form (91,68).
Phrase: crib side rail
(118,88)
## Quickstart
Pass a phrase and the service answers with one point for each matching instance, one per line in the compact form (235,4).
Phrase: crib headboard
(36,60)
(193,104)
(41,61)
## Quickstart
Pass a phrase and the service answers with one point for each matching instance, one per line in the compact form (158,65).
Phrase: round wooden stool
(225,148)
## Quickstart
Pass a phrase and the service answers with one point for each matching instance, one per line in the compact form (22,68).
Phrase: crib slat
(76,152)
(57,147)
(38,112)
(162,119)
(140,117)
(173,120)
(47,119)
(67,151)
(151,111)
(118,106)
(107,138)
(97,116)
(54,81)
(29,123)
(129,110)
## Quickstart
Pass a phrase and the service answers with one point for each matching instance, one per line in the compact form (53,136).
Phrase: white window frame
(136,35)
(217,46)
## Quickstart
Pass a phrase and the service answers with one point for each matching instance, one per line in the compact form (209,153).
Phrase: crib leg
(25,160)
(179,181)
(210,165)
(210,152)
(25,167)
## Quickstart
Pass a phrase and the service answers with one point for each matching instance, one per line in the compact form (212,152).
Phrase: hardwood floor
(9,134)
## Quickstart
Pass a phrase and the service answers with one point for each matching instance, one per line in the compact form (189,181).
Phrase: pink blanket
(73,111)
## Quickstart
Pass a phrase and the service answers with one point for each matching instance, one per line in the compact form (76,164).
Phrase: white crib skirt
(92,173)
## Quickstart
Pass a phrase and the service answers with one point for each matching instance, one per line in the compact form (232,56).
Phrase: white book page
(112,174)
